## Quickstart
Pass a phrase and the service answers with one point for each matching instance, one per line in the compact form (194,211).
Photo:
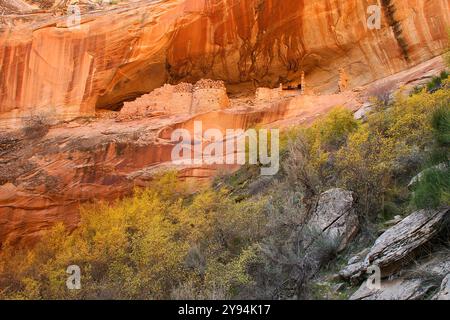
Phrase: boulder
(336,217)
(398,289)
(417,282)
(352,272)
(355,266)
(444,291)
(393,248)
(402,240)
(362,112)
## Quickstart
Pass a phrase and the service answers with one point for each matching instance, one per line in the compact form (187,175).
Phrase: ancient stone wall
(184,98)
(268,95)
(168,99)
(343,80)
(209,95)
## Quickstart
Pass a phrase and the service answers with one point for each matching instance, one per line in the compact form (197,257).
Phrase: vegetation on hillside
(433,186)
(244,237)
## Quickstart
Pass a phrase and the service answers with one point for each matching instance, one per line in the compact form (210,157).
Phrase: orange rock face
(45,177)
(121,53)
(46,173)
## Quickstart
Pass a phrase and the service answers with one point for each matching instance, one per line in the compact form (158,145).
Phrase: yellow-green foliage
(367,161)
(332,130)
(433,188)
(327,135)
(365,157)
(137,247)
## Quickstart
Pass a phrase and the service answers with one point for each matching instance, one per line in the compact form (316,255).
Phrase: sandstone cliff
(47,171)
(120,53)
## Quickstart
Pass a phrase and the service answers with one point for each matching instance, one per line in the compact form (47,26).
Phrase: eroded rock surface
(336,217)
(400,244)
(444,291)
(30,166)
(47,171)
(399,289)
(124,51)
(417,281)
(402,240)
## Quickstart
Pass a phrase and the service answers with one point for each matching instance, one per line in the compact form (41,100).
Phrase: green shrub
(447,54)
(441,125)
(433,189)
(390,210)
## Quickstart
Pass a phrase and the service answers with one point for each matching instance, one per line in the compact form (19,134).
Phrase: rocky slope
(15,6)
(411,264)
(412,255)
(124,51)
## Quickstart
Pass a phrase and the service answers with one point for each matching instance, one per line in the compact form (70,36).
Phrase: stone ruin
(302,83)
(268,95)
(296,85)
(183,98)
(299,85)
(343,80)
(209,95)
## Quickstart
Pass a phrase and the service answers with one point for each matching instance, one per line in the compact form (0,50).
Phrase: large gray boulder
(401,241)
(335,216)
